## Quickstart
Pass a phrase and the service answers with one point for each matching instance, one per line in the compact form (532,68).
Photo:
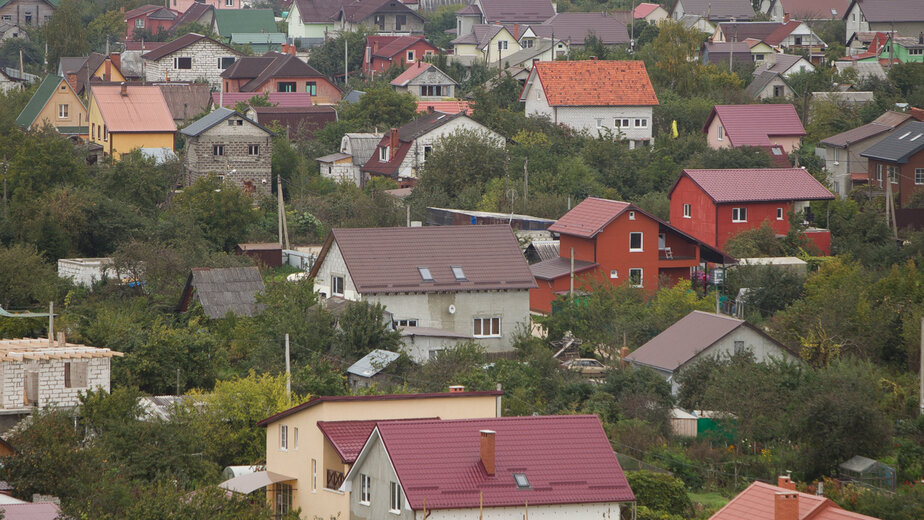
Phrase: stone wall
(205,56)
(51,388)
(249,171)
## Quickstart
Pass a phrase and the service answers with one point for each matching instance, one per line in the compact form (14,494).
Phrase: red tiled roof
(349,437)
(644,9)
(781,32)
(758,500)
(392,45)
(388,397)
(142,109)
(567,460)
(589,217)
(752,125)
(596,83)
(409,74)
(757,185)
(446,107)
(138,11)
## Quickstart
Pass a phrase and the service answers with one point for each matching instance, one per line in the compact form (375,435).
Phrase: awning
(251,482)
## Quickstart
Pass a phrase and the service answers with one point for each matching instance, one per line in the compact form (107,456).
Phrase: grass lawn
(711,501)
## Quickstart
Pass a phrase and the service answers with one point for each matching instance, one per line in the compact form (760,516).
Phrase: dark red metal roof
(349,437)
(758,185)
(589,217)
(567,459)
(752,125)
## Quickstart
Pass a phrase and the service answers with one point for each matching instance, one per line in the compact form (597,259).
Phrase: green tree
(221,210)
(363,328)
(65,34)
(660,492)
(381,107)
(458,168)
(109,26)
(25,279)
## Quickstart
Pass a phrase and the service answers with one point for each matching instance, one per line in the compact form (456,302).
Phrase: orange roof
(446,107)
(596,83)
(142,109)
(758,500)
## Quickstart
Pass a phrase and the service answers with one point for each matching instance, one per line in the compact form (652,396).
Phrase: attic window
(458,272)
(776,151)
(521,480)
(425,274)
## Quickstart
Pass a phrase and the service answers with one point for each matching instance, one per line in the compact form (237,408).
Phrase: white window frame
(687,211)
(779,213)
(405,322)
(490,321)
(314,475)
(283,437)
(720,132)
(218,150)
(394,498)
(411,56)
(894,172)
(333,284)
(139,23)
(614,274)
(918,176)
(641,241)
(879,173)
(641,122)
(176,62)
(365,489)
(737,214)
(63,111)
(621,122)
(599,122)
(229,3)
(641,277)
(383,153)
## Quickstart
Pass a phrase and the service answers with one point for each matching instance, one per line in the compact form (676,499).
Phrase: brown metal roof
(386,260)
(181,43)
(186,101)
(557,267)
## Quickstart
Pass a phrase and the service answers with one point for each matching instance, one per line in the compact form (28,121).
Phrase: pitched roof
(757,185)
(480,36)
(38,101)
(757,503)
(373,363)
(31,511)
(873,69)
(557,267)
(138,11)
(717,52)
(142,109)
(186,101)
(224,290)
(589,217)
(889,10)
(360,10)
(899,146)
(686,338)
(719,9)
(194,14)
(390,46)
(319,11)
(347,437)
(524,55)
(297,119)
(761,81)
(854,135)
(644,9)
(594,83)
(521,11)
(215,117)
(406,135)
(244,21)
(181,43)
(279,99)
(314,401)
(575,28)
(362,146)
(264,68)
(412,72)
(814,10)
(567,459)
(752,125)
(781,63)
(781,32)
(740,31)
(446,107)
(386,260)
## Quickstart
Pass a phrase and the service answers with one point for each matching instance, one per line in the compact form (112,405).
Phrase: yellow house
(55,103)
(311,447)
(96,68)
(759,51)
(486,42)
(123,118)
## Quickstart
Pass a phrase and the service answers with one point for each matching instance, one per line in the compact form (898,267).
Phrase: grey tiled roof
(223,290)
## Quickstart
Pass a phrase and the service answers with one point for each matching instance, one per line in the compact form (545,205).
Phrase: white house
(310,21)
(464,282)
(191,57)
(599,97)
(700,335)
(345,165)
(905,17)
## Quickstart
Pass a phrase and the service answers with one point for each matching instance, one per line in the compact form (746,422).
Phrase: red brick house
(383,52)
(619,242)
(150,19)
(900,158)
(276,72)
(715,205)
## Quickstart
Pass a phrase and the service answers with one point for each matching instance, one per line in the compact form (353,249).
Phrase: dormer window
(458,273)
(383,154)
(425,274)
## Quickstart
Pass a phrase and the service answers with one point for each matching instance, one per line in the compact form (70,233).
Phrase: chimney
(72,80)
(487,451)
(917,113)
(785,481)
(430,110)
(124,91)
(455,389)
(107,76)
(516,31)
(623,353)
(393,141)
(116,59)
(786,506)
(785,17)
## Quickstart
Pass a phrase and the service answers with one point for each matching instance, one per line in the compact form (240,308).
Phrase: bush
(660,492)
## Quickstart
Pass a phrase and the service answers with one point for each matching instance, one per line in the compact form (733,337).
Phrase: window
(225,62)
(739,214)
(395,502)
(779,213)
(425,274)
(314,475)
(528,43)
(894,171)
(383,154)
(182,63)
(427,150)
(915,52)
(687,212)
(631,215)
(798,40)
(662,241)
(458,272)
(599,123)
(283,437)
(879,173)
(253,149)
(285,86)
(720,132)
(614,274)
(139,23)
(7,18)
(739,347)
(105,133)
(502,45)
(365,489)
(380,21)
(778,91)
(283,499)
(758,57)
(641,123)
(919,175)
(62,111)
(635,277)
(75,374)
(336,285)
(311,87)
(411,322)
(410,56)
(621,123)
(431,90)
(486,327)
(635,241)
(837,155)
(521,480)
(218,149)
(229,3)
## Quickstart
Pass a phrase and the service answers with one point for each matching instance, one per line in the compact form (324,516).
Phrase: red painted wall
(820,239)
(701,223)
(613,250)
(151,25)
(379,64)
(326,91)
(757,213)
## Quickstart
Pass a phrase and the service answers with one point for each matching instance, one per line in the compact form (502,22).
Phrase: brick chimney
(72,80)
(116,59)
(393,142)
(62,342)
(124,90)
(785,482)
(107,76)
(516,30)
(456,389)
(487,451)
(430,110)
(786,506)
(917,113)
(785,17)
(623,353)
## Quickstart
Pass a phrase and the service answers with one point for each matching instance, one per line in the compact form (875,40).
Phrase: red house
(715,205)
(899,160)
(148,19)
(383,52)
(619,242)
(276,72)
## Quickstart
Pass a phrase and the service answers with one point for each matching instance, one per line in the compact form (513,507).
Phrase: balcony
(334,479)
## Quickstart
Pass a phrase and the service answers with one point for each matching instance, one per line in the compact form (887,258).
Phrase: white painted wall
(599,511)
(334,265)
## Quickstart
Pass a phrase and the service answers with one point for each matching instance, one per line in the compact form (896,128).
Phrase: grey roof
(522,11)
(353,96)
(685,339)
(557,267)
(781,63)
(215,117)
(861,464)
(527,54)
(480,36)
(717,53)
(761,81)
(854,135)
(333,157)
(363,146)
(864,68)
(889,10)
(719,9)
(224,290)
(373,363)
(546,249)
(900,146)
(160,155)
(576,27)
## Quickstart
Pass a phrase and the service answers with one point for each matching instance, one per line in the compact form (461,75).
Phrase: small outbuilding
(368,370)
(224,290)
(867,471)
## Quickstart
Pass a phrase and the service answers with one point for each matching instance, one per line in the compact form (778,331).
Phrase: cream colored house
(311,447)
(55,103)
(488,43)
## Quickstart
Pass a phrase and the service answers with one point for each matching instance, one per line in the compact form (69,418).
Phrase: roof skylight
(425,274)
(906,134)
(458,272)
(916,137)
(521,480)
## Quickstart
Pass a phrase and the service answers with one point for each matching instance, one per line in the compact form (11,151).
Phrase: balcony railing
(334,479)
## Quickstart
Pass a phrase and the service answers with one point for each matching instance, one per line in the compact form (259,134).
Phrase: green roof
(231,21)
(39,100)
(252,38)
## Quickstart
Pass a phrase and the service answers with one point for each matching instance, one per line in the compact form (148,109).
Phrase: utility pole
(288,372)
(51,322)
(346,62)
(921,373)
(279,205)
(571,290)
(890,206)
(4,188)
(525,184)
(178,381)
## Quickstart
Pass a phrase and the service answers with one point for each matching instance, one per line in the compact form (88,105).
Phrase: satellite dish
(452,309)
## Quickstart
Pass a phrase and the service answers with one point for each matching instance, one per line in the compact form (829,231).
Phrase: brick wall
(204,54)
(51,384)
(249,170)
